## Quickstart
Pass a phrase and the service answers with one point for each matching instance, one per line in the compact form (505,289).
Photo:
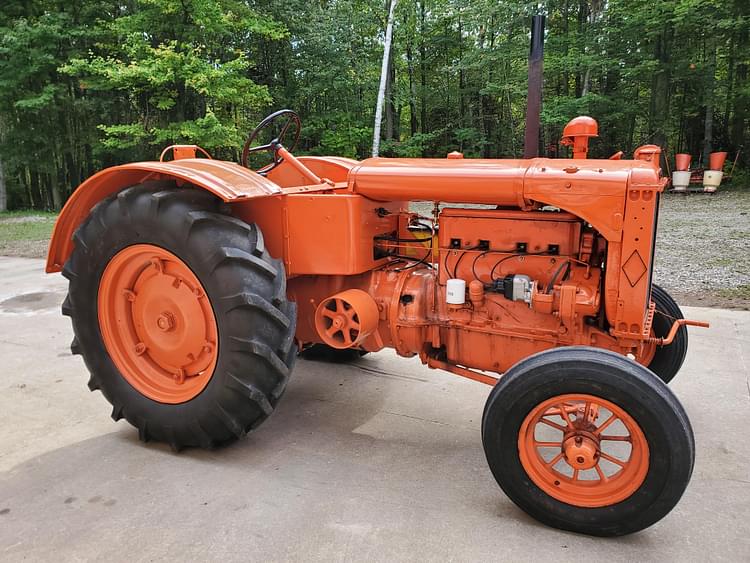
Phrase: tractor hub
(165,321)
(581,452)
(570,451)
(157,323)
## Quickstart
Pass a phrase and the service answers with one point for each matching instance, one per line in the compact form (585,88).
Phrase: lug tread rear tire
(247,290)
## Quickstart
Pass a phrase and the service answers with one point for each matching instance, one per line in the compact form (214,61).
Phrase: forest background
(86,84)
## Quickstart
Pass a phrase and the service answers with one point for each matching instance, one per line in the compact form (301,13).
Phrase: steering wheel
(273,146)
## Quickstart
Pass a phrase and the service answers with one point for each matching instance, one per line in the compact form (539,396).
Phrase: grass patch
(25,233)
(25,226)
(722,262)
(739,292)
(26,213)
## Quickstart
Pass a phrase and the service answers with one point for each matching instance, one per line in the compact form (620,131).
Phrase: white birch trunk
(383,78)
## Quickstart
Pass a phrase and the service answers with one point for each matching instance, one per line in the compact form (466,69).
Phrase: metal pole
(534,97)
(383,77)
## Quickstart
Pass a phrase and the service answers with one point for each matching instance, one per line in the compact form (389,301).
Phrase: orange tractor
(195,283)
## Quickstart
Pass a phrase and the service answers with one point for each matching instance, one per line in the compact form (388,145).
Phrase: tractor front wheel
(180,314)
(666,361)
(589,441)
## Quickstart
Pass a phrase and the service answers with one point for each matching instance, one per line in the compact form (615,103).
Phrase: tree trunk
(56,198)
(595,10)
(461,76)
(3,190)
(741,101)
(390,102)
(383,78)
(414,125)
(566,49)
(586,81)
(27,183)
(660,94)
(583,14)
(423,69)
(708,126)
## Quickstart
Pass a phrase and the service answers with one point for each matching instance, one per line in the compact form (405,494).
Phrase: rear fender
(226,180)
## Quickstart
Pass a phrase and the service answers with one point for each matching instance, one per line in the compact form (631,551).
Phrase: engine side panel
(483,243)
(322,234)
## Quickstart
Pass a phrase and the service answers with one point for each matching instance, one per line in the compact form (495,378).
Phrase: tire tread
(250,292)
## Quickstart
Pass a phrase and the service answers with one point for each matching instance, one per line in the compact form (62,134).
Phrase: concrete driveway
(380,460)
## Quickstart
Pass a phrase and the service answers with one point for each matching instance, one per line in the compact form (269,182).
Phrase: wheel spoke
(554,460)
(564,415)
(594,411)
(614,460)
(347,337)
(260,148)
(606,423)
(328,313)
(552,424)
(616,438)
(562,465)
(547,444)
(284,129)
(602,477)
(556,411)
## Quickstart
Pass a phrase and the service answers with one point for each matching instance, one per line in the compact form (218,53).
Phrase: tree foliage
(93,83)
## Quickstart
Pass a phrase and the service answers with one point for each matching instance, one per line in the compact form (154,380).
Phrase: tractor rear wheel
(667,360)
(586,440)
(180,314)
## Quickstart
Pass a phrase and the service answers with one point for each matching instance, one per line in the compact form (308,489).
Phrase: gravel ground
(703,249)
(24,248)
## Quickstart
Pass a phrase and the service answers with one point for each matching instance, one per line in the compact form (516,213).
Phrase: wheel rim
(583,450)
(157,323)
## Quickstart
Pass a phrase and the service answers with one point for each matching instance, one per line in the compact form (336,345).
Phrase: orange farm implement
(195,283)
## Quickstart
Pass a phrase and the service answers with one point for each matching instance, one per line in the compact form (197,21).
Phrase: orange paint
(342,226)
(347,319)
(157,323)
(716,160)
(577,133)
(682,161)
(564,447)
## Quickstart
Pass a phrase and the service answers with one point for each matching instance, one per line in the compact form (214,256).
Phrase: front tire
(180,314)
(667,360)
(585,440)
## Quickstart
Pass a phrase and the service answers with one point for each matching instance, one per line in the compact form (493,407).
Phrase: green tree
(93,83)
(185,79)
